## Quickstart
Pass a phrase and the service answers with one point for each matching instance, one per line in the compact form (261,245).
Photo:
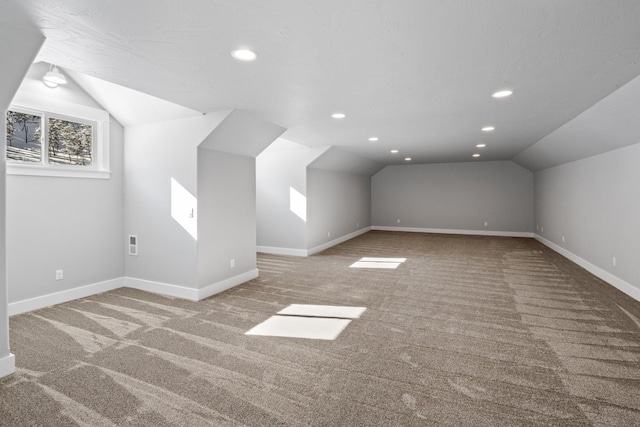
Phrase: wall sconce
(53,78)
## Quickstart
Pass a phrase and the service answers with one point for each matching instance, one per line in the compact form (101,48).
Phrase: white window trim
(55,107)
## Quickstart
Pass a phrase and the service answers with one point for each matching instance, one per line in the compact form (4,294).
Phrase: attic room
(461,175)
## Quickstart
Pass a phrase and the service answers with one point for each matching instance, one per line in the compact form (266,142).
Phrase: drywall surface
(281,197)
(69,93)
(21,45)
(338,204)
(454,196)
(160,197)
(69,224)
(595,204)
(610,124)
(226,215)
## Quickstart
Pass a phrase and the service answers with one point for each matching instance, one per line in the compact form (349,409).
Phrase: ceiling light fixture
(373,139)
(481,145)
(488,129)
(53,78)
(394,151)
(338,115)
(408,159)
(245,55)
(476,155)
(502,93)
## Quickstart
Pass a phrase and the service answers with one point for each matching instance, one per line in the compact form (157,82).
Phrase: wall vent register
(133,244)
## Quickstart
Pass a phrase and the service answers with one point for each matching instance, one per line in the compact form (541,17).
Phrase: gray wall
(154,154)
(226,215)
(338,203)
(72,224)
(454,196)
(276,173)
(595,204)
(21,45)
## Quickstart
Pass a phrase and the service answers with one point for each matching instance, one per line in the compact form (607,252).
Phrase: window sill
(63,172)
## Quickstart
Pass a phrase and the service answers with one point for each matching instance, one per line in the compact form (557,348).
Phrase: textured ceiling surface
(416,74)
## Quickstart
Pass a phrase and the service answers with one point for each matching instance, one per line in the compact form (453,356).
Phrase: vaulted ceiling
(418,75)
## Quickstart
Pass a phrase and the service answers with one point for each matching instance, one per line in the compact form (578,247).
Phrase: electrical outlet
(328,234)
(614,261)
(232,263)
(542,229)
(59,274)
(357,224)
(398,220)
(562,239)
(486,224)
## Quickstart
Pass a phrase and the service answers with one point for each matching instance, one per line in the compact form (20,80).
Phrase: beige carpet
(469,331)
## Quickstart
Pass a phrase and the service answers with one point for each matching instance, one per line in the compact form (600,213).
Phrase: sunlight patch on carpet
(342,312)
(300,327)
(373,262)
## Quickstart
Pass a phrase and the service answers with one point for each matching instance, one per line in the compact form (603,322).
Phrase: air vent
(133,244)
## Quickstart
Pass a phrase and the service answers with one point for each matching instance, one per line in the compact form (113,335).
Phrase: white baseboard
(229,283)
(184,292)
(281,251)
(337,241)
(315,250)
(454,231)
(7,365)
(162,288)
(615,281)
(48,300)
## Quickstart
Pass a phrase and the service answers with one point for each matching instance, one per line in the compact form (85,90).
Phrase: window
(57,140)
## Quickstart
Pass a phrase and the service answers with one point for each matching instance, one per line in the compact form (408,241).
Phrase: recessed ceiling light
(488,128)
(481,145)
(408,159)
(502,93)
(244,55)
(394,151)
(338,115)
(476,155)
(373,139)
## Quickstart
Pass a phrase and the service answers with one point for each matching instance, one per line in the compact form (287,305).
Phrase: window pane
(70,143)
(23,137)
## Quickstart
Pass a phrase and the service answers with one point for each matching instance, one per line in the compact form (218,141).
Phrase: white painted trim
(281,251)
(53,106)
(453,231)
(615,281)
(225,284)
(337,241)
(48,300)
(162,288)
(54,171)
(7,365)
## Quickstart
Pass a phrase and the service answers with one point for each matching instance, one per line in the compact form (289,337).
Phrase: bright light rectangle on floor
(377,262)
(370,259)
(364,264)
(342,312)
(300,327)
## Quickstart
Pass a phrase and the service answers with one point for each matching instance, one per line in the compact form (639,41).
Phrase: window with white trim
(67,140)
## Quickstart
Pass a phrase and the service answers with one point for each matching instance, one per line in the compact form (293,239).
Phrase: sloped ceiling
(241,133)
(337,160)
(129,107)
(612,123)
(417,74)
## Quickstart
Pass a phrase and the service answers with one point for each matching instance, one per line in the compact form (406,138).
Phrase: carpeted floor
(469,331)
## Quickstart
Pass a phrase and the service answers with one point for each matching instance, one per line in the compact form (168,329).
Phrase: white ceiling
(417,74)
